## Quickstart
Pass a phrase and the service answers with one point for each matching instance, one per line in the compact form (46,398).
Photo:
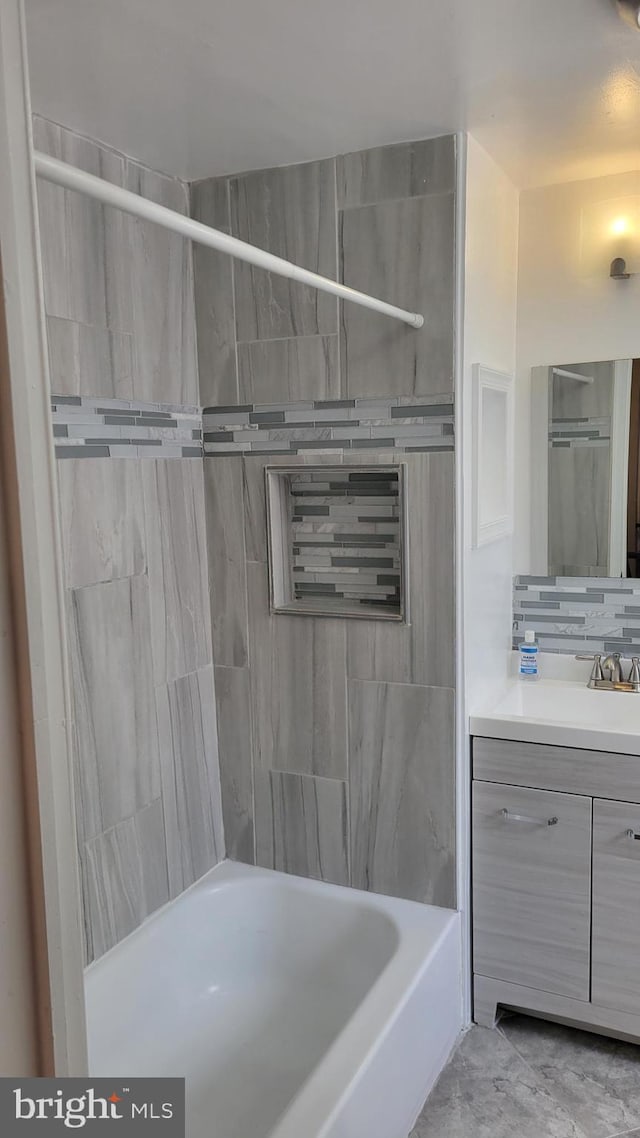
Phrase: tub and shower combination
(294,1009)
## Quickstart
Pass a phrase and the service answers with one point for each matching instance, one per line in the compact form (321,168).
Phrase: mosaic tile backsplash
(578,614)
(345,534)
(120,428)
(400,423)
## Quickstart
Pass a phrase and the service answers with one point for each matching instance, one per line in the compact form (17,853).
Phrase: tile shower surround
(358,424)
(380,220)
(319,791)
(335,744)
(336,736)
(95,427)
(578,614)
(118,428)
(120,316)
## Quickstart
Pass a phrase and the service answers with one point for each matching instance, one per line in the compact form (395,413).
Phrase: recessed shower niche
(337,541)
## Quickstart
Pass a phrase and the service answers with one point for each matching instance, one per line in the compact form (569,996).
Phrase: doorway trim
(619,476)
(31,489)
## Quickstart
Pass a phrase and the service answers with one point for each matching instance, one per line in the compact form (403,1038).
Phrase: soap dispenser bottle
(529,668)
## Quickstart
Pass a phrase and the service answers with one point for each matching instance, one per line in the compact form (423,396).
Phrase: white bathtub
(294,1009)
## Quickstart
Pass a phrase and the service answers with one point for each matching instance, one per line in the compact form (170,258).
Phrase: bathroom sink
(564,713)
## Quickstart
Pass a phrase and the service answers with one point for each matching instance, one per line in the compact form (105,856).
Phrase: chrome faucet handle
(634,674)
(596,671)
(611,663)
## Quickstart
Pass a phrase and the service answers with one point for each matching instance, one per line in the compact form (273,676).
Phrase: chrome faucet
(611,664)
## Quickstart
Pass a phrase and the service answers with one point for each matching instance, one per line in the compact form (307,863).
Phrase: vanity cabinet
(615,952)
(556,884)
(531,872)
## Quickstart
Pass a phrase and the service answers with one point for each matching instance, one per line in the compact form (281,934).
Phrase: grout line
(286,339)
(394,201)
(122,821)
(106,146)
(183,675)
(233,295)
(402,684)
(338,264)
(533,1069)
(308,774)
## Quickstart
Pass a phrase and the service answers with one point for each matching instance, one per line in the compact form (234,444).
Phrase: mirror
(586,455)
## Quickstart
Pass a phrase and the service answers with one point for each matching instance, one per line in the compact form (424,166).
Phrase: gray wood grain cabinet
(531,859)
(556,884)
(616,906)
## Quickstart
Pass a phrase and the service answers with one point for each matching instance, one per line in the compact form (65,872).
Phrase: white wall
(491,256)
(486,329)
(563,316)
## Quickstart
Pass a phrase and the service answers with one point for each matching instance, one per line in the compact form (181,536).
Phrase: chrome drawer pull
(508,816)
(632,834)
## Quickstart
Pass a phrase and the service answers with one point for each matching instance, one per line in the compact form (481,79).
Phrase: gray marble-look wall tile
(177,558)
(276,371)
(402,791)
(161,268)
(125,876)
(210,202)
(102,520)
(87,360)
(233,702)
(85,889)
(117,742)
(302,825)
(405,170)
(422,651)
(85,246)
(190,777)
(226,560)
(401,251)
(255,508)
(579,509)
(215,319)
(298,687)
(289,211)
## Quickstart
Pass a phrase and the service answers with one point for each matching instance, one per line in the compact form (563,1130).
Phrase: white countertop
(562,712)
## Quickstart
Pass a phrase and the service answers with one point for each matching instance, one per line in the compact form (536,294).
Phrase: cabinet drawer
(615,979)
(599,774)
(531,888)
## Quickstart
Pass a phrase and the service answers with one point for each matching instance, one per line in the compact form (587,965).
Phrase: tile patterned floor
(533,1079)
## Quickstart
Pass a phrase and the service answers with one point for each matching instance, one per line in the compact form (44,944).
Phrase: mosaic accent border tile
(580,432)
(120,428)
(578,614)
(345,536)
(333,425)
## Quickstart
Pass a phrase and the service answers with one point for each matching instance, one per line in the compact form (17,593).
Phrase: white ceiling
(199,87)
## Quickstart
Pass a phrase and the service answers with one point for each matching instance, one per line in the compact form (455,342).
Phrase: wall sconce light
(618,269)
(630,12)
(610,238)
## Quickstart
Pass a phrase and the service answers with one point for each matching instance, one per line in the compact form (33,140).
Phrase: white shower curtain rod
(53,170)
(564,374)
